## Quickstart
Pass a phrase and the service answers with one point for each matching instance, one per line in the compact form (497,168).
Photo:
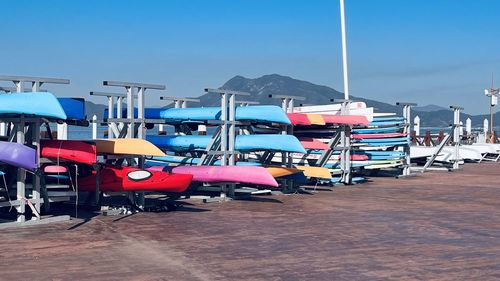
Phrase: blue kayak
(388,118)
(258,113)
(403,139)
(387,143)
(180,160)
(353,180)
(277,143)
(385,123)
(74,108)
(41,104)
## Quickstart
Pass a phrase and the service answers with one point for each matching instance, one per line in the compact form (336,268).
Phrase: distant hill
(429,108)
(260,88)
(94,109)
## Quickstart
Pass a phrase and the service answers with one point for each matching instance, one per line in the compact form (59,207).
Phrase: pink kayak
(354,157)
(237,174)
(310,143)
(378,136)
(346,119)
(299,119)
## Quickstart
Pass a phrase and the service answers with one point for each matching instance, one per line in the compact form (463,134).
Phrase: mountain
(274,84)
(260,88)
(94,109)
(429,108)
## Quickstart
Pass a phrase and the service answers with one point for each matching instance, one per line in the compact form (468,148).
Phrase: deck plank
(439,225)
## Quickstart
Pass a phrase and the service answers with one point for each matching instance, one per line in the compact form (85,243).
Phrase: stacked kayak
(258,113)
(381,141)
(75,151)
(40,104)
(271,142)
(18,155)
(235,174)
(122,179)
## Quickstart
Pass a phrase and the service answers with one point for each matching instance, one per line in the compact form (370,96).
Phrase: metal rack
(341,141)
(287,104)
(407,130)
(130,126)
(454,137)
(26,130)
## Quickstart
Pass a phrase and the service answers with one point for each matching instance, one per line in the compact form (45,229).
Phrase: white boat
(447,154)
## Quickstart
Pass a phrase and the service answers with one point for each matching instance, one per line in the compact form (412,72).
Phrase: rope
(33,209)
(76,186)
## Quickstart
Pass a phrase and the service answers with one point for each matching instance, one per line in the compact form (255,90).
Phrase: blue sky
(426,51)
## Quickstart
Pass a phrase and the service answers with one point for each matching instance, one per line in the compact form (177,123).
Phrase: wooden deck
(439,226)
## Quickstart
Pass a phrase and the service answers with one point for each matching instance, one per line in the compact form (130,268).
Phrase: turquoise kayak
(258,113)
(181,160)
(389,118)
(386,123)
(41,104)
(277,143)
(404,139)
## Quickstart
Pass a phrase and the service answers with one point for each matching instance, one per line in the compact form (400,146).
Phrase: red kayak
(69,150)
(299,119)
(133,179)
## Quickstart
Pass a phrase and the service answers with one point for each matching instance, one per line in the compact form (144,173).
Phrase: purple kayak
(17,155)
(236,174)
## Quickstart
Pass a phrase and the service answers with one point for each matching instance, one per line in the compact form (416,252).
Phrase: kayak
(258,113)
(74,108)
(237,174)
(41,104)
(69,150)
(346,119)
(176,160)
(277,171)
(270,142)
(377,135)
(138,147)
(315,172)
(117,179)
(311,143)
(18,155)
(299,119)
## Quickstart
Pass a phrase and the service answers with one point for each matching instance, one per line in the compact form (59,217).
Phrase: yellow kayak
(315,172)
(277,171)
(138,147)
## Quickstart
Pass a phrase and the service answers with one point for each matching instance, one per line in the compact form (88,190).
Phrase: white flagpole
(344,51)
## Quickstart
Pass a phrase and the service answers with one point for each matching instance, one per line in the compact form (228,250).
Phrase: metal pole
(223,137)
(232,132)
(94,127)
(130,112)
(344,51)
(140,114)
(111,114)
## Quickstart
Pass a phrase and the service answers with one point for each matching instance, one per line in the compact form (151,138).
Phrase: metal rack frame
(407,130)
(32,137)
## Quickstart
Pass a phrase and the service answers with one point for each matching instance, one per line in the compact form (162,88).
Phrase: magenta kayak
(236,174)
